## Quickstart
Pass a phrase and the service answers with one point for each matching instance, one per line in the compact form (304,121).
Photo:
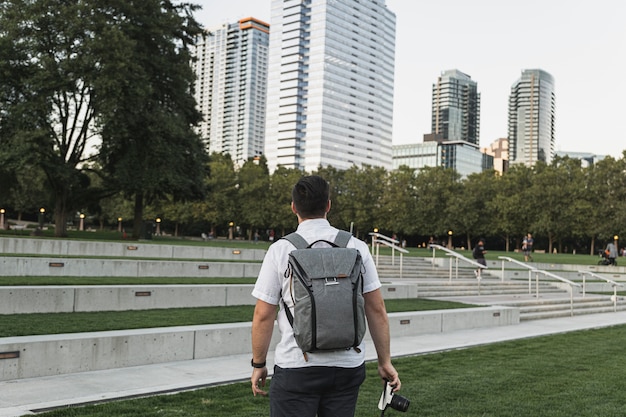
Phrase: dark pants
(321,391)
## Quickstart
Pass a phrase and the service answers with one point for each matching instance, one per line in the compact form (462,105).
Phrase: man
(527,247)
(479,254)
(324,383)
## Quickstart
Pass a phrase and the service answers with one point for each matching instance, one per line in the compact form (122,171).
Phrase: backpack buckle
(331,281)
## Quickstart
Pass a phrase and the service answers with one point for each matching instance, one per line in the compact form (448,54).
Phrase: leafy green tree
(604,188)
(359,199)
(278,199)
(511,207)
(254,187)
(471,205)
(47,98)
(399,202)
(434,189)
(220,206)
(552,192)
(149,149)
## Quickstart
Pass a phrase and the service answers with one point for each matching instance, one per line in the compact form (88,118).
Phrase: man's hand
(258,380)
(389,373)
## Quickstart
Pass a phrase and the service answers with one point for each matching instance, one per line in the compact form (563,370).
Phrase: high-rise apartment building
(456,108)
(231,87)
(330,84)
(531,118)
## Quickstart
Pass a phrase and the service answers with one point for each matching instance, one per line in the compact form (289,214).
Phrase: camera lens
(399,403)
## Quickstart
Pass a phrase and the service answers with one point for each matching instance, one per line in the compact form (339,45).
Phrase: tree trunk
(138,215)
(593,245)
(60,216)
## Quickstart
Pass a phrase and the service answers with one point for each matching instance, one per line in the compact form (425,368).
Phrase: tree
(220,206)
(47,99)
(279,199)
(148,112)
(254,186)
(471,205)
(434,188)
(399,202)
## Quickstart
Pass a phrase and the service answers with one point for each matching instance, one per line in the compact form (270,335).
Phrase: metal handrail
(515,261)
(572,284)
(379,239)
(532,269)
(610,281)
(457,257)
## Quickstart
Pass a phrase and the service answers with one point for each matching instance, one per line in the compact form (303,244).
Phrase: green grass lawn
(56,323)
(574,374)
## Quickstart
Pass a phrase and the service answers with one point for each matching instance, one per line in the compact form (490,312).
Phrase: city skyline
(494,42)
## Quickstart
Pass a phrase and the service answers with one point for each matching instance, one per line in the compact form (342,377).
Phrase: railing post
(537,284)
(502,270)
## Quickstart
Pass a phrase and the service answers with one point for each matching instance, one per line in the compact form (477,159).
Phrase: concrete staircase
(434,281)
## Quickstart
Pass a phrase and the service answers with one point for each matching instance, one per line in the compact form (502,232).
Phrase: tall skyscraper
(231,87)
(330,88)
(531,118)
(456,108)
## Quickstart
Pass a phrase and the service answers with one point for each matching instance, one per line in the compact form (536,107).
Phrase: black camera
(389,399)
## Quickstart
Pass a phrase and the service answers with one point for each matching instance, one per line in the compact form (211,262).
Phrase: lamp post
(449,239)
(81,225)
(2,219)
(119,224)
(41,214)
(158,226)
(230,230)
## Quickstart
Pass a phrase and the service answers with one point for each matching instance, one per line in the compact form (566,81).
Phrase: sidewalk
(29,396)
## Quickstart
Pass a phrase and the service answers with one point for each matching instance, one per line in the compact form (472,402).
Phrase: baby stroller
(604,254)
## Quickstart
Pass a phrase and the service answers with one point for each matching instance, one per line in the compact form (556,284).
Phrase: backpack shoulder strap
(342,239)
(298,241)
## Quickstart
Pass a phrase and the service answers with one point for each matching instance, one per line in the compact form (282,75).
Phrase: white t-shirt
(272,280)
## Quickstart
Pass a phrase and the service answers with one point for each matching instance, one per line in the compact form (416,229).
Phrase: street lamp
(41,214)
(81,226)
(119,224)
(449,239)
(158,226)
(230,230)
(2,219)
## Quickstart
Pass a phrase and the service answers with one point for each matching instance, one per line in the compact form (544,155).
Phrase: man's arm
(378,324)
(262,328)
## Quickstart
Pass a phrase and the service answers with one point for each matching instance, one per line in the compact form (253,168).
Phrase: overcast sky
(582,43)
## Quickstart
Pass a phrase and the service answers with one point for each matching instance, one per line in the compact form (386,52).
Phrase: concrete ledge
(83,298)
(84,267)
(34,356)
(86,248)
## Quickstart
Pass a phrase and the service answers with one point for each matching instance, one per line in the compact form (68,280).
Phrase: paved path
(28,396)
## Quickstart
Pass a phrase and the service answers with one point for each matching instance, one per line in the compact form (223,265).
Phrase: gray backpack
(326,286)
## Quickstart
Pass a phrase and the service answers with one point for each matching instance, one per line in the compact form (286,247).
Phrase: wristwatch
(257,365)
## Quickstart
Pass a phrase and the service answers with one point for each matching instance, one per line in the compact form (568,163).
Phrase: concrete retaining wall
(34,356)
(82,267)
(86,248)
(68,299)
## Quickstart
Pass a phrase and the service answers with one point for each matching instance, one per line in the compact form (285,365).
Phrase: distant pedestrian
(479,254)
(527,247)
(611,250)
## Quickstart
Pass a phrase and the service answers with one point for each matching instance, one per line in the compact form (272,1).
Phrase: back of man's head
(310,197)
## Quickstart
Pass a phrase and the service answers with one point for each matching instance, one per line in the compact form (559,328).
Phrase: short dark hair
(310,196)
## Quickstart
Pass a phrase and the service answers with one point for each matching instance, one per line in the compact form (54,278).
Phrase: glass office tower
(531,118)
(231,86)
(456,108)
(330,84)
